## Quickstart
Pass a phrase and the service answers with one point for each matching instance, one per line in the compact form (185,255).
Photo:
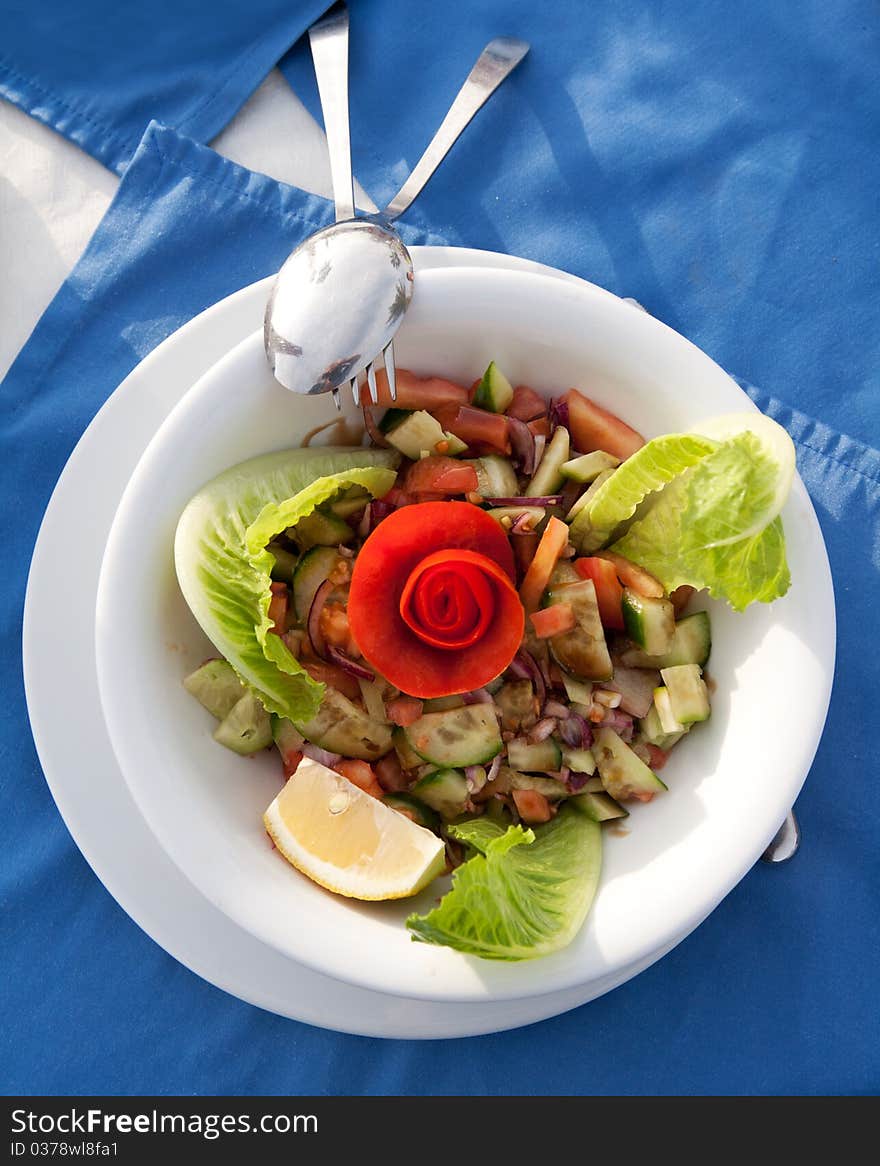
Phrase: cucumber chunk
(412,808)
(578,518)
(458,737)
(548,476)
(507,515)
(688,695)
(419,433)
(246,728)
(495,477)
(583,650)
(691,644)
(216,687)
(649,622)
(534,756)
(285,563)
(406,755)
(510,779)
(315,566)
(341,727)
(624,774)
(589,466)
(518,704)
(669,723)
(321,530)
(494,392)
(653,732)
(445,791)
(579,760)
(599,806)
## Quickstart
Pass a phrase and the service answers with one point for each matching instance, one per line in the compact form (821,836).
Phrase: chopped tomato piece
(609,592)
(333,675)
(593,427)
(403,710)
(633,576)
(657,756)
(290,762)
(476,427)
(527,405)
(278,608)
(540,427)
(440,475)
(551,621)
(360,773)
(415,392)
(532,806)
(552,544)
(389,773)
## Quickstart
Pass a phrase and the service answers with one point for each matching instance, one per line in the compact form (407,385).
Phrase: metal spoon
(342,294)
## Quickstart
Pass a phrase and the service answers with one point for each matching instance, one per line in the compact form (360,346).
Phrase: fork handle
(498,59)
(328,39)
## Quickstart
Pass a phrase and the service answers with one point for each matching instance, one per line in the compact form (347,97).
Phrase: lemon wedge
(349,841)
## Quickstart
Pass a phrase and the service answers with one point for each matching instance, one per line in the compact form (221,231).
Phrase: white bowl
(730,784)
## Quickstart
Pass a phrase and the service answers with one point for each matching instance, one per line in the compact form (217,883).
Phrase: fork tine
(355,393)
(388,354)
(371,381)
(336,400)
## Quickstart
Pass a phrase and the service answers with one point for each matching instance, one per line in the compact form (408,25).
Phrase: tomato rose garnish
(432,604)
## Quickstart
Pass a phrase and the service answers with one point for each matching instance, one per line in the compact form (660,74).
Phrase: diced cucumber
(548,476)
(583,650)
(648,621)
(216,687)
(495,477)
(688,694)
(599,806)
(439,704)
(585,499)
(246,728)
(653,732)
(341,727)
(494,392)
(406,755)
(418,812)
(418,433)
(510,779)
(534,756)
(285,563)
(321,530)
(579,760)
(593,785)
(589,466)
(315,566)
(518,704)
(669,723)
(445,791)
(458,737)
(691,644)
(578,691)
(351,503)
(564,572)
(624,775)
(285,734)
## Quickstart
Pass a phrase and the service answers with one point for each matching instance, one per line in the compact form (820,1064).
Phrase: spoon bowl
(337,302)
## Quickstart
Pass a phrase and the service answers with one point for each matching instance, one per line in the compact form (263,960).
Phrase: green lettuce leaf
(525,893)
(224,571)
(699,530)
(647,470)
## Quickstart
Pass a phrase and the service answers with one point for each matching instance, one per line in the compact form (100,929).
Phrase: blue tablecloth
(774,992)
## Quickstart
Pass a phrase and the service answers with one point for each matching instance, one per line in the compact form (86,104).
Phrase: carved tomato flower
(432,605)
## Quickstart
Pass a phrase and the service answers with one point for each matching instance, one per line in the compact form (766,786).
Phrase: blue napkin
(774,993)
(719,161)
(97,71)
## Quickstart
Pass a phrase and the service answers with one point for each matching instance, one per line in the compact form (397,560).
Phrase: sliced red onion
(314,621)
(535,674)
(320,755)
(522,524)
(352,667)
(518,668)
(346,552)
(636,687)
(540,443)
(554,708)
(522,500)
(543,729)
(494,768)
(559,413)
(576,781)
(380,509)
(376,435)
(575,732)
(621,723)
(571,491)
(476,778)
(478,696)
(522,442)
(366,523)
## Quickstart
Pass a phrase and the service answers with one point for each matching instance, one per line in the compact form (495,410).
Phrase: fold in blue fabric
(98,71)
(773,994)
(720,162)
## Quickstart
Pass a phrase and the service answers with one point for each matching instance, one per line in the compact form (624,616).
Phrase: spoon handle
(498,59)
(328,39)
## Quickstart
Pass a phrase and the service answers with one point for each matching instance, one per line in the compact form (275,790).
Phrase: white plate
(72,741)
(728,789)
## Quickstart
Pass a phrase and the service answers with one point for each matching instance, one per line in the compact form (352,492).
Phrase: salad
(474,639)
